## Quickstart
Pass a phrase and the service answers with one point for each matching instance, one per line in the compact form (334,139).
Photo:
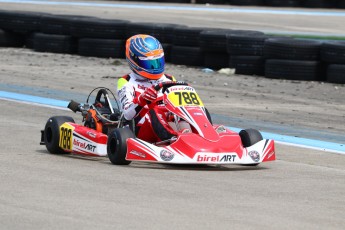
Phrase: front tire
(117,145)
(250,137)
(52,133)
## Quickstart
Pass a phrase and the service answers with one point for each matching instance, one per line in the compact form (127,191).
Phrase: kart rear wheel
(250,137)
(52,133)
(117,145)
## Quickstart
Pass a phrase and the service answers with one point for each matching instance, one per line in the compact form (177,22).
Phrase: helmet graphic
(145,56)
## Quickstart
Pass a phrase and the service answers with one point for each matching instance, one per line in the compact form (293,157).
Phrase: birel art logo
(213,158)
(84,145)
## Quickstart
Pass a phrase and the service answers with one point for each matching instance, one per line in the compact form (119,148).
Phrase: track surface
(303,189)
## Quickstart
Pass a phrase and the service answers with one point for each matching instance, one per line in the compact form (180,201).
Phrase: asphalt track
(303,189)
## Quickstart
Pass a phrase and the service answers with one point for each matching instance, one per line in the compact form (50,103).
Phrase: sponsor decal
(122,92)
(189,88)
(176,88)
(141,87)
(270,155)
(139,154)
(91,134)
(198,114)
(166,155)
(254,155)
(84,145)
(218,158)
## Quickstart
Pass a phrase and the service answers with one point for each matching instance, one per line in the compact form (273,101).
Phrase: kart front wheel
(52,133)
(117,145)
(250,137)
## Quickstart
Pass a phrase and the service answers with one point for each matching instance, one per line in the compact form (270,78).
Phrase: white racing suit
(150,124)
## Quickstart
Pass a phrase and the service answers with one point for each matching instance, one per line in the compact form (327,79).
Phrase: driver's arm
(126,96)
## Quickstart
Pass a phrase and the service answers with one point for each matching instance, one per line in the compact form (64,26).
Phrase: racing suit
(150,124)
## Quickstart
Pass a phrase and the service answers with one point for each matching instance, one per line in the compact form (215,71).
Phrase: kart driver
(145,57)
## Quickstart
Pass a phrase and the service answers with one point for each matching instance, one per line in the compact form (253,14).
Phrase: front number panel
(66,134)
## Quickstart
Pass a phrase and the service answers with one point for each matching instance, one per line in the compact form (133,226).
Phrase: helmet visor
(154,65)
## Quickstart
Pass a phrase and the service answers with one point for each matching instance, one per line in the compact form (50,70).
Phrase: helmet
(145,56)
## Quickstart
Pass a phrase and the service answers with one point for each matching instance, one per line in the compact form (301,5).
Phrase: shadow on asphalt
(158,166)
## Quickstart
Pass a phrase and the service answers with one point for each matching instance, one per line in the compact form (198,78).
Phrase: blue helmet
(145,56)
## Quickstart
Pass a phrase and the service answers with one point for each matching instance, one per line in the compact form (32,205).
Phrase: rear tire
(52,133)
(117,145)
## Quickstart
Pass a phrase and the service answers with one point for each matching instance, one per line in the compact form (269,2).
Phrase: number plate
(184,97)
(66,133)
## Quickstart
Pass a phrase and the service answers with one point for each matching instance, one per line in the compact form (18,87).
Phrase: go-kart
(105,132)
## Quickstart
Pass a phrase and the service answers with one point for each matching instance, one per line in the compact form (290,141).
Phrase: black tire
(250,137)
(167,51)
(52,133)
(282,3)
(58,24)
(341,4)
(247,2)
(248,65)
(10,39)
(162,31)
(214,40)
(292,49)
(336,74)
(20,21)
(294,70)
(216,60)
(319,3)
(187,36)
(139,28)
(182,55)
(106,48)
(333,52)
(212,1)
(246,44)
(170,1)
(98,28)
(54,43)
(117,145)
(29,41)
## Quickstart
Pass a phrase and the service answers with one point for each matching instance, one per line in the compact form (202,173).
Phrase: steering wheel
(100,93)
(165,85)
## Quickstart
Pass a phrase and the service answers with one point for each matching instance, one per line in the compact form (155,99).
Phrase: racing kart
(105,132)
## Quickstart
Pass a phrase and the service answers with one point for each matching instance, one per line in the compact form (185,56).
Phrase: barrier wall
(248,52)
(275,3)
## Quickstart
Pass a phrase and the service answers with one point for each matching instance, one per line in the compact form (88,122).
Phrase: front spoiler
(138,150)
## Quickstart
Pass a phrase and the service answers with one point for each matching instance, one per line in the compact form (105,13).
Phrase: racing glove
(146,97)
